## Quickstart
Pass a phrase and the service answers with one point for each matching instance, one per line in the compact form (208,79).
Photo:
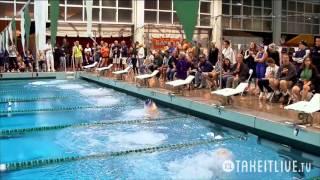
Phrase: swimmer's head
(148,102)
(223,153)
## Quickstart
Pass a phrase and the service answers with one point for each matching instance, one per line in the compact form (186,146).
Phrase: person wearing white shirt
(228,51)
(265,82)
(49,56)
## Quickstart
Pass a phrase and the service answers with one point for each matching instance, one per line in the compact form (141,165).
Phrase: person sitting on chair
(204,68)
(239,71)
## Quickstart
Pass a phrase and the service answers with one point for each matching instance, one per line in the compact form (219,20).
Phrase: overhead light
(239,4)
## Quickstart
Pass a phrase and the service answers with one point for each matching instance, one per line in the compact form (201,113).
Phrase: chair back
(250,74)
(127,68)
(315,100)
(155,72)
(109,66)
(189,79)
(241,87)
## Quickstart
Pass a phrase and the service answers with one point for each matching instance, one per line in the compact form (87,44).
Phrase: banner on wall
(160,43)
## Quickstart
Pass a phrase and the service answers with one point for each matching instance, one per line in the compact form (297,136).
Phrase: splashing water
(98,92)
(204,165)
(70,86)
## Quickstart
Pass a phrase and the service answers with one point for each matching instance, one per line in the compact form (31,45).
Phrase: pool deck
(247,113)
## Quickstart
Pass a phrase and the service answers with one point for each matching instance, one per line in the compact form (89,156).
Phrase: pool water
(46,99)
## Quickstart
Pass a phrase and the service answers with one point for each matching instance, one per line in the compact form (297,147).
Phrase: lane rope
(12,132)
(12,112)
(31,99)
(50,161)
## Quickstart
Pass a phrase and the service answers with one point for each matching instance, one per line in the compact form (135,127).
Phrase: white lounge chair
(122,72)
(103,69)
(177,83)
(228,92)
(306,108)
(145,77)
(90,65)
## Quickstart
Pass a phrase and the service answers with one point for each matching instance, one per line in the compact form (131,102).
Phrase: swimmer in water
(151,109)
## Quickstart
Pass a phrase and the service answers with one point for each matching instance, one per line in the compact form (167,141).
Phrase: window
(125,15)
(226,22)
(247,23)
(267,3)
(292,5)
(95,3)
(247,2)
(150,16)
(6,10)
(308,7)
(284,26)
(247,11)
(175,18)
(95,14)
(300,7)
(165,4)
(74,2)
(257,2)
(74,13)
(125,3)
(150,4)
(267,12)
(62,13)
(236,10)
(164,17)
(205,7)
(257,11)
(109,3)
(236,23)
(225,9)
(108,14)
(315,29)
(267,25)
(205,20)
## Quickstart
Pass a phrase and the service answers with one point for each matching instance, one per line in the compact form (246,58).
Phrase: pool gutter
(306,140)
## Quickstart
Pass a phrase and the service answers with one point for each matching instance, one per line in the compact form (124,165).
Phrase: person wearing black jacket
(315,54)
(240,73)
(172,65)
(308,78)
(213,53)
(204,68)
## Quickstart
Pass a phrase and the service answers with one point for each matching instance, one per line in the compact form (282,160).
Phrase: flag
(40,17)
(187,12)
(7,39)
(89,17)
(9,28)
(14,29)
(27,24)
(23,32)
(54,16)
(1,39)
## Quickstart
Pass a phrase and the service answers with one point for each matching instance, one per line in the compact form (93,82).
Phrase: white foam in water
(204,165)
(70,86)
(106,101)
(91,91)
(52,82)
(134,113)
(38,83)
(138,138)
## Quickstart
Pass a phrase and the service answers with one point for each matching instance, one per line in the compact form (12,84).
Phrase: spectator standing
(273,53)
(88,55)
(105,51)
(116,54)
(13,64)
(299,56)
(77,55)
(228,51)
(123,54)
(213,53)
(249,60)
(141,55)
(49,56)
(315,54)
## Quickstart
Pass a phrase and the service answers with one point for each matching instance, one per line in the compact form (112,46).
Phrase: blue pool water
(202,161)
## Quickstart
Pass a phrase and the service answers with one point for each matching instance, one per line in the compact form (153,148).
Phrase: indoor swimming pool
(74,129)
